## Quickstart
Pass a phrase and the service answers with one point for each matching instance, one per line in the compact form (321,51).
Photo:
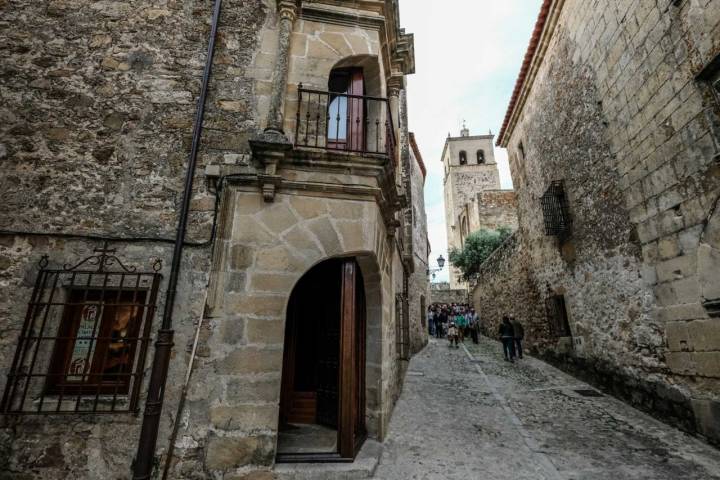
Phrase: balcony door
(346,110)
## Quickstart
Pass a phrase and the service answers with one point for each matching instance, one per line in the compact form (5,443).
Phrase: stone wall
(617,112)
(98,107)
(494,209)
(442,293)
(504,286)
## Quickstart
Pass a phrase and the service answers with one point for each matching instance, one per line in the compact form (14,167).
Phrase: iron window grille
(557,316)
(556,212)
(85,337)
(402,326)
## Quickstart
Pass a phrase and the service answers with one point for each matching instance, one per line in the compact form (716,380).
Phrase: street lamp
(441,264)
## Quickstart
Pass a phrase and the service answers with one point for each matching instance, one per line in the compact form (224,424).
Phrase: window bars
(84,340)
(402,327)
(338,121)
(556,212)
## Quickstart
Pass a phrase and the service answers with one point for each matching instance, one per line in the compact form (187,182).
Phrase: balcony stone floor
(466,414)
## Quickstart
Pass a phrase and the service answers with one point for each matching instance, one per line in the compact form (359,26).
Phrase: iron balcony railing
(349,123)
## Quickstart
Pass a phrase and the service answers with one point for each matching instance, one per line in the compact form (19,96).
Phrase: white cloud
(468,54)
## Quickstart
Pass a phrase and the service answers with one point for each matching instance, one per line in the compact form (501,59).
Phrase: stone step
(363,467)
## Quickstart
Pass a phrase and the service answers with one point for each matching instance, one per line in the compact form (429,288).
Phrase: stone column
(288,13)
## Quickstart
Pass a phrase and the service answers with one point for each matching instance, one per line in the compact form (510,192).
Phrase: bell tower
(469,169)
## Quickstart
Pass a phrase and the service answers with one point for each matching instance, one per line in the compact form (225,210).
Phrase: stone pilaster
(288,14)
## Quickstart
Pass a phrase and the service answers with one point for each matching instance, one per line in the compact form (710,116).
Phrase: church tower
(470,170)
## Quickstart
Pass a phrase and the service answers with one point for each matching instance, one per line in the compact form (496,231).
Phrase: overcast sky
(468,54)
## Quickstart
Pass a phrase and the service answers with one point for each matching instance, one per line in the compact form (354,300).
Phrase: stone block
(669,247)
(225,453)
(353,235)
(347,210)
(337,42)
(278,218)
(272,282)
(255,304)
(689,311)
(678,338)
(326,234)
(248,231)
(279,259)
(682,363)
(232,331)
(686,290)
(241,257)
(309,207)
(301,242)
(708,268)
(247,418)
(705,334)
(243,390)
(677,268)
(256,475)
(246,360)
(270,332)
(707,364)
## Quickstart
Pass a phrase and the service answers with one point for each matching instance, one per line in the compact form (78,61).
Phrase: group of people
(456,321)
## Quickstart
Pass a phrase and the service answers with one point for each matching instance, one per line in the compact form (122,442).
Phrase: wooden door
(352,353)
(346,110)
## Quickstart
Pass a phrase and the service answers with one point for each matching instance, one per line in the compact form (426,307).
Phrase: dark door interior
(324,361)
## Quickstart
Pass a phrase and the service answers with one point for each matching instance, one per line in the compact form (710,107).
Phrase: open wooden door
(346,110)
(323,384)
(352,352)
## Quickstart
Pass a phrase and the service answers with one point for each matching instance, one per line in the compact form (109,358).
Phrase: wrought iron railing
(83,344)
(338,121)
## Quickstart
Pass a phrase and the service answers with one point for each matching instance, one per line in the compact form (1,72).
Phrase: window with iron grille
(556,213)
(557,316)
(83,344)
(402,326)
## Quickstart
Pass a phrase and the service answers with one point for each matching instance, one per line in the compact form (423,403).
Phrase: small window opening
(480,157)
(463,157)
(556,212)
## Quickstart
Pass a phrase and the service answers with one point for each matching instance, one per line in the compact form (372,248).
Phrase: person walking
(518,336)
(461,323)
(440,321)
(474,325)
(507,336)
(453,335)
(431,321)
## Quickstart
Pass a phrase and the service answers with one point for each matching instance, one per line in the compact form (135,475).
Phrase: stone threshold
(363,467)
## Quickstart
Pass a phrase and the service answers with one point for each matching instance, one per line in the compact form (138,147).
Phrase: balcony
(342,122)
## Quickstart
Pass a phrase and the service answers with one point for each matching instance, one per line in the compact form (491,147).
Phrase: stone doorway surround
(262,252)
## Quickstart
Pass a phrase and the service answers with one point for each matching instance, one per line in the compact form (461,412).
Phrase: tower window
(480,157)
(463,157)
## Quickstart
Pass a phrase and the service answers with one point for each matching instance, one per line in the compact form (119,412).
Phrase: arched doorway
(322,406)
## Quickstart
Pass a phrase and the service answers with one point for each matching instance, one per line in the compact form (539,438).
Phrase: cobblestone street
(466,414)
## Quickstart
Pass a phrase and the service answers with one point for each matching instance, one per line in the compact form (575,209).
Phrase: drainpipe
(143,464)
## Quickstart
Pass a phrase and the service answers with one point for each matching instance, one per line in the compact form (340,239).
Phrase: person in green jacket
(461,323)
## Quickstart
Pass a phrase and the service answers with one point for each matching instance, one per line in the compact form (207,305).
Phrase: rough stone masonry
(98,104)
(615,101)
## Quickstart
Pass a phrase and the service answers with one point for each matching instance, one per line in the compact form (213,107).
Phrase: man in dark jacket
(507,335)
(518,336)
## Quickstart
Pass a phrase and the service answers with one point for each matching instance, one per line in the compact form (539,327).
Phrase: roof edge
(544,28)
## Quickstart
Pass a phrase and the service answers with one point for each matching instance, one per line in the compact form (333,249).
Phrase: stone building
(473,198)
(612,135)
(305,252)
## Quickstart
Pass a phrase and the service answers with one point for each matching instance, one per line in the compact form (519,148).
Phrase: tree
(477,248)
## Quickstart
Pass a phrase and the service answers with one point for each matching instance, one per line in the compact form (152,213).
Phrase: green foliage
(477,248)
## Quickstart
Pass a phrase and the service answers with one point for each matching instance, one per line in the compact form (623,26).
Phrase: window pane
(337,126)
